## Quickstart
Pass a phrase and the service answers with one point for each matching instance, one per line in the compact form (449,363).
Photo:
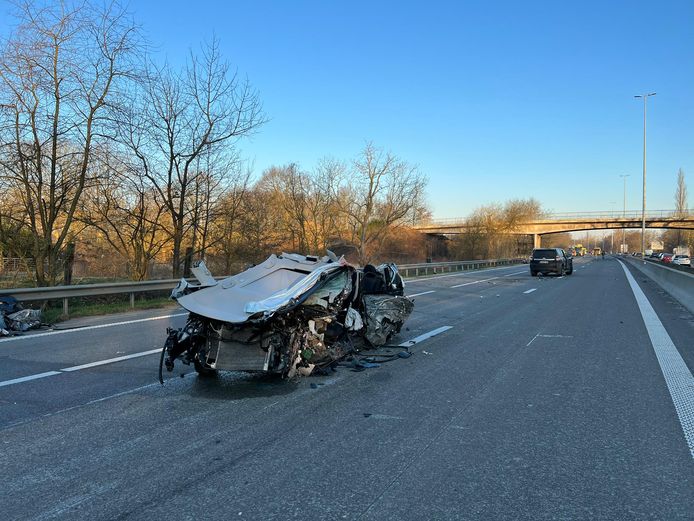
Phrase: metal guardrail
(112,288)
(90,290)
(434,268)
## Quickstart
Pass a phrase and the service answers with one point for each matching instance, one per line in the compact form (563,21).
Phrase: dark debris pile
(15,319)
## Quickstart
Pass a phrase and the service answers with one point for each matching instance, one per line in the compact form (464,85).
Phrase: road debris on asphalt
(14,319)
(291,315)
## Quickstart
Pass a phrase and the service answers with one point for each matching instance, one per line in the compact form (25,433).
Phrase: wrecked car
(286,316)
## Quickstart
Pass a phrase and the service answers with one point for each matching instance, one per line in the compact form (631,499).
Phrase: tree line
(102,145)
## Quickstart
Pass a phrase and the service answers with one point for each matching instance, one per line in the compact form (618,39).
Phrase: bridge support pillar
(537,240)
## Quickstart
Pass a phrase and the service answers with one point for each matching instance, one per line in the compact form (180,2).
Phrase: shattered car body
(286,316)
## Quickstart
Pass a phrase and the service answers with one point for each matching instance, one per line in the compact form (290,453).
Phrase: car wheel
(571,270)
(533,273)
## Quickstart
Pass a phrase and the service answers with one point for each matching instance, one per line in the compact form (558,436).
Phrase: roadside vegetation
(116,165)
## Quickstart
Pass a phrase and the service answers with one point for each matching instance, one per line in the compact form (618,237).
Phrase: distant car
(667,258)
(682,260)
(550,260)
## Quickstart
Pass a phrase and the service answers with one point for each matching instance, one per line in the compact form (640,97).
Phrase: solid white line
(111,360)
(516,273)
(88,328)
(678,378)
(28,378)
(423,337)
(422,293)
(530,290)
(473,282)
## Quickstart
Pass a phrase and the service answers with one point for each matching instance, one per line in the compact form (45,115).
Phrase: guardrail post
(132,300)
(65,307)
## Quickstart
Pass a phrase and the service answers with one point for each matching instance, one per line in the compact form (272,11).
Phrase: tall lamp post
(624,214)
(643,208)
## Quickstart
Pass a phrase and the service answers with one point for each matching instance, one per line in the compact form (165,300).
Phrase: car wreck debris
(287,316)
(14,319)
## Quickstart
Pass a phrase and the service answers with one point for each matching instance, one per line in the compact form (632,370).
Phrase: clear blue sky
(492,100)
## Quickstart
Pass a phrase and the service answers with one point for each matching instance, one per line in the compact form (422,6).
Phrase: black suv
(551,260)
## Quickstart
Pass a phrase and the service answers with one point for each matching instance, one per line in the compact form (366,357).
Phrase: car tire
(533,273)
(571,270)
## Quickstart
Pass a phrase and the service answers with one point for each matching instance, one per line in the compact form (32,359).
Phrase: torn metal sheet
(288,315)
(22,320)
(385,315)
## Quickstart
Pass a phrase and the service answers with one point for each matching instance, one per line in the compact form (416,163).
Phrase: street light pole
(643,208)
(624,214)
(612,203)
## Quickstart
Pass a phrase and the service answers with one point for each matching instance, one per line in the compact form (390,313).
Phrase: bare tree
(123,207)
(681,208)
(61,71)
(378,193)
(184,115)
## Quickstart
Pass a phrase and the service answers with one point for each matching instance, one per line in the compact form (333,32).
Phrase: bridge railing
(565,216)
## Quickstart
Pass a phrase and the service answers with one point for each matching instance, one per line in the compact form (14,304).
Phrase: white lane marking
(424,336)
(110,360)
(408,343)
(88,328)
(422,293)
(473,282)
(468,272)
(516,273)
(78,367)
(678,378)
(27,378)
(530,290)
(545,336)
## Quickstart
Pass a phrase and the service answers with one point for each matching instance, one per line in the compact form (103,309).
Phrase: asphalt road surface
(526,398)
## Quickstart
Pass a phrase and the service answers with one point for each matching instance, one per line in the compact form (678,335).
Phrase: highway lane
(548,404)
(88,341)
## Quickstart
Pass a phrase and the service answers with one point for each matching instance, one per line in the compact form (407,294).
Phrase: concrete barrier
(679,284)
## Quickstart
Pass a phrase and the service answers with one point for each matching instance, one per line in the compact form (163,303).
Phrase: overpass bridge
(570,222)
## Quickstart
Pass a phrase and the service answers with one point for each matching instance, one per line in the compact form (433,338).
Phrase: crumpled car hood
(260,291)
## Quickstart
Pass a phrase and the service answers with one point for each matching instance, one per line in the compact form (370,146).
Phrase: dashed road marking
(88,328)
(530,290)
(410,280)
(422,293)
(473,282)
(110,360)
(28,378)
(408,343)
